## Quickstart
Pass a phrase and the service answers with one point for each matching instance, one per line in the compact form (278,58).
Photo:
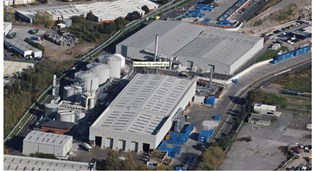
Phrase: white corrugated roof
(31,163)
(47,138)
(144,103)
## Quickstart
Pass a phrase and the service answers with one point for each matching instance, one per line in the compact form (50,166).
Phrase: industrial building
(11,162)
(56,12)
(105,11)
(17,2)
(142,114)
(21,47)
(198,48)
(7,27)
(57,127)
(82,95)
(50,143)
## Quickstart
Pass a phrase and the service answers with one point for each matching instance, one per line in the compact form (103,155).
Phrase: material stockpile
(66,38)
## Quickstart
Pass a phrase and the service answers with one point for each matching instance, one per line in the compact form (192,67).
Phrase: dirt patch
(61,53)
(284,11)
(299,120)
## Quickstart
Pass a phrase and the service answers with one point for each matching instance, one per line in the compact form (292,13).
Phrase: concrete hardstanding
(142,113)
(50,143)
(7,27)
(201,47)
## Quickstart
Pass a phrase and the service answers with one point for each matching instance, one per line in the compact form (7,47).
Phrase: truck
(86,146)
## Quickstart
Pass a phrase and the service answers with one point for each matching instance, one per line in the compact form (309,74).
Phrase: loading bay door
(134,146)
(109,142)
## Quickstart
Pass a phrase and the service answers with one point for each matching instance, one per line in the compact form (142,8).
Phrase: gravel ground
(263,151)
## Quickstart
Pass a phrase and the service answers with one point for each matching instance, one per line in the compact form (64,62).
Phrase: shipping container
(217,117)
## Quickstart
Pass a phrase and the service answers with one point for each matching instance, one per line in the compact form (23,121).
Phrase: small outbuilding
(259,119)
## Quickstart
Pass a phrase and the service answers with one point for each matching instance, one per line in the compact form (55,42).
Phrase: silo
(102,71)
(115,66)
(50,109)
(122,60)
(68,91)
(90,80)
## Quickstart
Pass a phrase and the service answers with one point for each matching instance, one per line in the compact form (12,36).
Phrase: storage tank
(122,60)
(79,115)
(68,91)
(115,66)
(89,79)
(50,109)
(102,71)
(66,116)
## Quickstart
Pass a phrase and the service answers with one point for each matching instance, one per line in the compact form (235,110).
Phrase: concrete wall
(247,56)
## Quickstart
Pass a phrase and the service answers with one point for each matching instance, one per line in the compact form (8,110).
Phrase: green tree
(164,167)
(112,161)
(120,23)
(43,18)
(129,163)
(43,155)
(108,28)
(212,158)
(145,9)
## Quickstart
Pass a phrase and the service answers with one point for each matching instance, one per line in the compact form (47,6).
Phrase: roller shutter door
(134,146)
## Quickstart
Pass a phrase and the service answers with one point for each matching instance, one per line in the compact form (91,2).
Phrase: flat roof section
(199,43)
(21,45)
(47,138)
(144,104)
(31,163)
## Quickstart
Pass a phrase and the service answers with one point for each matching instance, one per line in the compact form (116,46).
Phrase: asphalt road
(230,95)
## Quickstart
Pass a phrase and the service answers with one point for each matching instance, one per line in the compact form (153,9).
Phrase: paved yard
(263,150)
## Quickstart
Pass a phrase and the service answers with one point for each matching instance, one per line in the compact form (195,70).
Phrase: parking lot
(223,5)
(261,148)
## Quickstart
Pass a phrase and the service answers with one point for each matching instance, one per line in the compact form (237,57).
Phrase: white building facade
(50,143)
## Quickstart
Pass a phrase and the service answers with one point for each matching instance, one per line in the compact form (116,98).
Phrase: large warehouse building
(197,47)
(31,163)
(106,11)
(43,142)
(142,114)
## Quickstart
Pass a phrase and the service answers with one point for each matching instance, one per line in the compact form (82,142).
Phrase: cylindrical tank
(102,71)
(66,116)
(50,109)
(80,115)
(90,80)
(115,66)
(68,91)
(122,60)
(78,89)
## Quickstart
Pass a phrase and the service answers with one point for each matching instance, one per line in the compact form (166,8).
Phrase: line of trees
(92,31)
(43,155)
(27,86)
(112,162)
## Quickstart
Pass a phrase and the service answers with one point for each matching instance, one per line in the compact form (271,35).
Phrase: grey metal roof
(144,103)
(58,124)
(200,43)
(47,138)
(31,163)
(21,45)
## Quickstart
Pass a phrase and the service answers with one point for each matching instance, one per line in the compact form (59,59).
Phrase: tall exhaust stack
(156,46)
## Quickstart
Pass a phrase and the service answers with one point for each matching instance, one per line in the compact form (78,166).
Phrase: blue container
(210,100)
(217,117)
(205,135)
